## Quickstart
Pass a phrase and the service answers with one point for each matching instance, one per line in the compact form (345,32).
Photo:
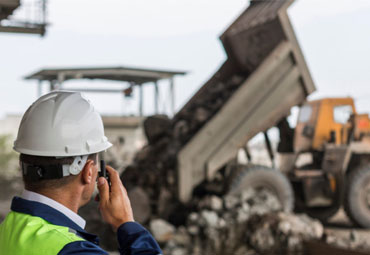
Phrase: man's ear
(87,172)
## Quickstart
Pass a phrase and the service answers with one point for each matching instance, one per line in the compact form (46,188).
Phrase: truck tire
(357,197)
(263,177)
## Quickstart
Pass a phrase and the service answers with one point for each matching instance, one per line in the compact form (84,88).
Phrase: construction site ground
(339,228)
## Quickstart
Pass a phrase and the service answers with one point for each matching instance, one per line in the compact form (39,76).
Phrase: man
(59,139)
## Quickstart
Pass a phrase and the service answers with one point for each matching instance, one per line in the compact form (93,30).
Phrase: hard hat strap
(53,171)
(35,173)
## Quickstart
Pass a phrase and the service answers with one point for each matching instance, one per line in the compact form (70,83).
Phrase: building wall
(127,136)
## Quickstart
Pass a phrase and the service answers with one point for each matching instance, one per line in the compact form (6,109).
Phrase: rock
(245,207)
(181,129)
(262,239)
(242,216)
(140,204)
(193,217)
(300,225)
(143,154)
(216,203)
(182,237)
(179,251)
(161,230)
(248,194)
(210,218)
(244,250)
(281,231)
(231,201)
(193,230)
(221,223)
(201,114)
(164,202)
(156,127)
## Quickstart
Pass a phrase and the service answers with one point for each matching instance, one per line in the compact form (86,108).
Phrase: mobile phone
(103,172)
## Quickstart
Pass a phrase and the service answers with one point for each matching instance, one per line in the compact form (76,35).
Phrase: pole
(269,148)
(61,78)
(172,93)
(156,96)
(39,89)
(141,95)
(51,85)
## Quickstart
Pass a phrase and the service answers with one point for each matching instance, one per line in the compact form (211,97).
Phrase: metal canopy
(127,75)
(137,76)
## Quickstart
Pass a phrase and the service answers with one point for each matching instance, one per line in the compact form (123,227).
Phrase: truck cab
(322,121)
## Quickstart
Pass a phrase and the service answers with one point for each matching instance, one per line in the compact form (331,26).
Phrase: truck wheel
(357,197)
(264,177)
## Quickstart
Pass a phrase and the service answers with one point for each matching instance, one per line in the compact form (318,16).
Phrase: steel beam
(24,30)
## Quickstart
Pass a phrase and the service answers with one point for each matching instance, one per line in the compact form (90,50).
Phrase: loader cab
(323,121)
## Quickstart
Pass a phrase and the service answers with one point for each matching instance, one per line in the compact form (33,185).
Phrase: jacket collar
(37,197)
(51,215)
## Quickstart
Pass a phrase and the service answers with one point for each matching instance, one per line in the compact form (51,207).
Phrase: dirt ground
(341,227)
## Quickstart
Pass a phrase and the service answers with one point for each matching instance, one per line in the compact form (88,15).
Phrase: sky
(179,35)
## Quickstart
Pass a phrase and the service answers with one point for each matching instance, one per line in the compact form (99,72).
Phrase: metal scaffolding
(28,16)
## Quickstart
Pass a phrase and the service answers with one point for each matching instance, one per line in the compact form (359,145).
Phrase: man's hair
(40,185)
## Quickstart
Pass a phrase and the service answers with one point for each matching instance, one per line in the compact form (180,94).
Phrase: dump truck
(264,76)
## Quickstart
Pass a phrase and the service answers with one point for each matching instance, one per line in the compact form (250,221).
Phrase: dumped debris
(251,223)
(161,230)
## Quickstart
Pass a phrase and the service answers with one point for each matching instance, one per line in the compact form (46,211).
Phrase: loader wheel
(357,197)
(258,177)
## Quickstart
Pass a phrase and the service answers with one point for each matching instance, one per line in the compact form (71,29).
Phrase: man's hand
(114,204)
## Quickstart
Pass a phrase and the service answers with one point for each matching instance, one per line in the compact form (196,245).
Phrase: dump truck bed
(272,77)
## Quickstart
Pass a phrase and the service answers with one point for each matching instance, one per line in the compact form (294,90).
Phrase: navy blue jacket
(133,239)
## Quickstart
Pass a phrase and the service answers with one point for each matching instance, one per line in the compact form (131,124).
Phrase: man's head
(59,138)
(85,179)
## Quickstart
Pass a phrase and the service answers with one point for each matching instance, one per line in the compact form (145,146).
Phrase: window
(305,114)
(342,113)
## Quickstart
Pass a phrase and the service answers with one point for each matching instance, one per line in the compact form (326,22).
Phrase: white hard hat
(61,124)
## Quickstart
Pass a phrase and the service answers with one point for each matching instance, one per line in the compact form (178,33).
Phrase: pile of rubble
(251,223)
